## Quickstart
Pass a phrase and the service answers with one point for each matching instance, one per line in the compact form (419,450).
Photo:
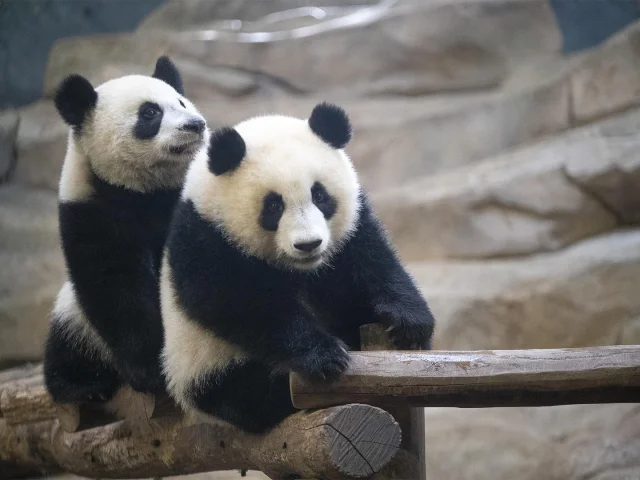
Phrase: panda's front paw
(409,327)
(323,363)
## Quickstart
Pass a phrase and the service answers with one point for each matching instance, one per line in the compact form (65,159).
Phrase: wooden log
(25,451)
(126,404)
(410,463)
(24,374)
(475,379)
(25,404)
(25,400)
(352,441)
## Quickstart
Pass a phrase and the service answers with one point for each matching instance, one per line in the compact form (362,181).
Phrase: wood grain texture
(25,450)
(24,404)
(26,400)
(351,441)
(24,374)
(481,378)
(15,378)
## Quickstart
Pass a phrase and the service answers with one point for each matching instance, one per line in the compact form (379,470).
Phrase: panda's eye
(181,103)
(319,196)
(274,206)
(150,112)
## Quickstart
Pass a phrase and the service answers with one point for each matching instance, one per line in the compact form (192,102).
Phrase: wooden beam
(481,378)
(350,441)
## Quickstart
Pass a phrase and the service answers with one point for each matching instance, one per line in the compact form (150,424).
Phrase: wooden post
(410,463)
(338,443)
(502,378)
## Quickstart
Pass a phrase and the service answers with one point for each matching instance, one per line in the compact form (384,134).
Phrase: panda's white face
(141,134)
(293,199)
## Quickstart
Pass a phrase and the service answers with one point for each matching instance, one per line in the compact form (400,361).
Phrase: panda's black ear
(331,124)
(75,97)
(226,150)
(167,72)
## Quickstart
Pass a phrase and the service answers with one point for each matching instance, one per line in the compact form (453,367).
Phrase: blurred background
(500,141)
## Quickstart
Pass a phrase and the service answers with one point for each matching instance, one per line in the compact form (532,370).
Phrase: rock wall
(507,173)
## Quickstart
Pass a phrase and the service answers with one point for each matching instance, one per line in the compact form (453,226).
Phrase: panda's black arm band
(377,273)
(116,284)
(123,307)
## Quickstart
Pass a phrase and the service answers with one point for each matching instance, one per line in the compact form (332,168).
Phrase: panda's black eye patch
(149,121)
(321,199)
(182,103)
(272,210)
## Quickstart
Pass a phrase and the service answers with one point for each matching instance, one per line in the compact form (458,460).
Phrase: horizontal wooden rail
(481,378)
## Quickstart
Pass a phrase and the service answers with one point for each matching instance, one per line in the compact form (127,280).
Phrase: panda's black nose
(308,247)
(195,126)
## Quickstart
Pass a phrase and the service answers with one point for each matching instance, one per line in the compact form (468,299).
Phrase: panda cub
(273,262)
(130,143)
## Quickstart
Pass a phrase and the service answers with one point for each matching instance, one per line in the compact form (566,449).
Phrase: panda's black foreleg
(117,286)
(74,374)
(244,394)
(387,289)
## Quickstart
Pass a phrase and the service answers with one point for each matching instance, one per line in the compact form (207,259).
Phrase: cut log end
(361,440)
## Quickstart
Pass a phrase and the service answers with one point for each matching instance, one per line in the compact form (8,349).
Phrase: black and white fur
(273,261)
(130,143)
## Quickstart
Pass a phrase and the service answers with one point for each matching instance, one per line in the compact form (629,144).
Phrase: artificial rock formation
(535,199)
(32,270)
(525,235)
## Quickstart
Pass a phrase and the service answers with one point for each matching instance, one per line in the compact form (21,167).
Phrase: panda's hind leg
(244,394)
(73,371)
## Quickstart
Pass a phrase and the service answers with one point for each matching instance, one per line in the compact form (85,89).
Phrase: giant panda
(273,260)
(131,140)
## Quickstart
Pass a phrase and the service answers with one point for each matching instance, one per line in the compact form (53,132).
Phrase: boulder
(42,144)
(612,173)
(538,198)
(552,443)
(102,57)
(583,295)
(9,121)
(609,79)
(411,48)
(32,270)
